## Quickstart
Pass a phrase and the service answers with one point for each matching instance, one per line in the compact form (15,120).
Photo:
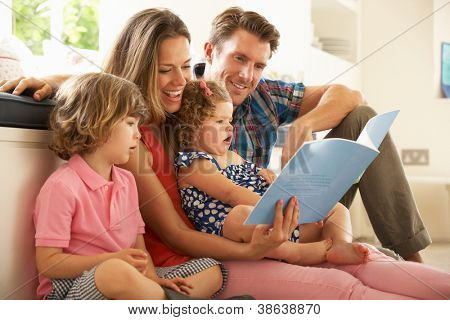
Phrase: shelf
(336,27)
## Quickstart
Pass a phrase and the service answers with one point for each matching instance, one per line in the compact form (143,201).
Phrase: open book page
(376,129)
(321,172)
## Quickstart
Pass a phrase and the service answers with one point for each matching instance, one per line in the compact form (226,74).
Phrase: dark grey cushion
(24,112)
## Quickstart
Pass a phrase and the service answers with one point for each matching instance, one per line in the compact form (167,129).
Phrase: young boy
(89,242)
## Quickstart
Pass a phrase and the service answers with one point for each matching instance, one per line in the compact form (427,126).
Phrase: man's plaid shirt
(274,103)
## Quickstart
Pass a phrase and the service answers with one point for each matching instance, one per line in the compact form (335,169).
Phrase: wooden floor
(438,255)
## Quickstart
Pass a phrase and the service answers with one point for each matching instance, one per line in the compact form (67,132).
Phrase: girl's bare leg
(338,228)
(302,254)
(310,232)
(294,253)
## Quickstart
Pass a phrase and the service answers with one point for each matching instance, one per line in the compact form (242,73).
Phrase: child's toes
(362,250)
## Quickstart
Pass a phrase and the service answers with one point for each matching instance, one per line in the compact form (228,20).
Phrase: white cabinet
(25,164)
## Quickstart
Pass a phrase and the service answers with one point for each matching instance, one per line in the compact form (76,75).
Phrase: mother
(153,52)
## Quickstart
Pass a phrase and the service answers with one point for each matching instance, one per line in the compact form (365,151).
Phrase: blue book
(322,171)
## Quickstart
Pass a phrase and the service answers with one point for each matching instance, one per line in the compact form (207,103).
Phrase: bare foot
(347,253)
(311,253)
(416,257)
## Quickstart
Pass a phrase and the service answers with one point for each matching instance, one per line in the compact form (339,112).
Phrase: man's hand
(298,133)
(39,88)
(268,175)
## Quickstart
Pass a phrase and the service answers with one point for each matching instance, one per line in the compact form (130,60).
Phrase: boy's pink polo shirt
(81,212)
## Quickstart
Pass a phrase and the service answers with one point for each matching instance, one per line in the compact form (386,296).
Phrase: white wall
(197,15)
(293,25)
(441,33)
(5,18)
(402,74)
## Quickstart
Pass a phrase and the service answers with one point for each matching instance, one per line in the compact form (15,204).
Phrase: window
(35,20)
(62,35)
(31,23)
(81,24)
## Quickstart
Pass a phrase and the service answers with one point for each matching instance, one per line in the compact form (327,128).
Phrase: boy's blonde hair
(87,109)
(196,107)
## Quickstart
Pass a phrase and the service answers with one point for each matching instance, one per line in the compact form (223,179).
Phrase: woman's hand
(266,237)
(180,285)
(39,88)
(268,175)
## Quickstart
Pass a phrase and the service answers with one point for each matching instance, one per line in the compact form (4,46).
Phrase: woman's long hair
(134,57)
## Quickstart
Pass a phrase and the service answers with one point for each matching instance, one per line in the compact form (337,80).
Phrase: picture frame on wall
(445,69)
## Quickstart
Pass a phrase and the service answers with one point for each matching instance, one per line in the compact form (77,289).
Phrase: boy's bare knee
(113,276)
(215,274)
(207,282)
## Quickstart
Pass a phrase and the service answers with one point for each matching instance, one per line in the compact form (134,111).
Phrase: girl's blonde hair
(135,53)
(87,109)
(197,105)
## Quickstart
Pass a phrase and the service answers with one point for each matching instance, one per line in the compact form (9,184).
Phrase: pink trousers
(380,278)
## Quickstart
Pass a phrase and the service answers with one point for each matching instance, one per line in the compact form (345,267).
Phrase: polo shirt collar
(91,178)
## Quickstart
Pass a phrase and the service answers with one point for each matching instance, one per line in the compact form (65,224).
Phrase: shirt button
(106,188)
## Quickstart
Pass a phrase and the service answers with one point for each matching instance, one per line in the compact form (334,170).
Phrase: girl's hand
(267,237)
(39,87)
(136,257)
(267,175)
(180,285)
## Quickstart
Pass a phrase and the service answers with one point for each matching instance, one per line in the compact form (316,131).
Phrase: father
(239,48)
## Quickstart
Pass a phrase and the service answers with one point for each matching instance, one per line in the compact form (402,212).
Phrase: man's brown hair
(234,18)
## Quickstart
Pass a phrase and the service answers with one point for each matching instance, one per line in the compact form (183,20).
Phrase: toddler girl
(89,242)
(219,189)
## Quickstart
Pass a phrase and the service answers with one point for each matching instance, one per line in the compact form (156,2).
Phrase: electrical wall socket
(415,157)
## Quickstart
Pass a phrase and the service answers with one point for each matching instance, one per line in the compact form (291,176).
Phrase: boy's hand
(136,257)
(180,285)
(267,175)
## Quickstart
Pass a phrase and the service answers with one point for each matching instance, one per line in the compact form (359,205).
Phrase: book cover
(322,171)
